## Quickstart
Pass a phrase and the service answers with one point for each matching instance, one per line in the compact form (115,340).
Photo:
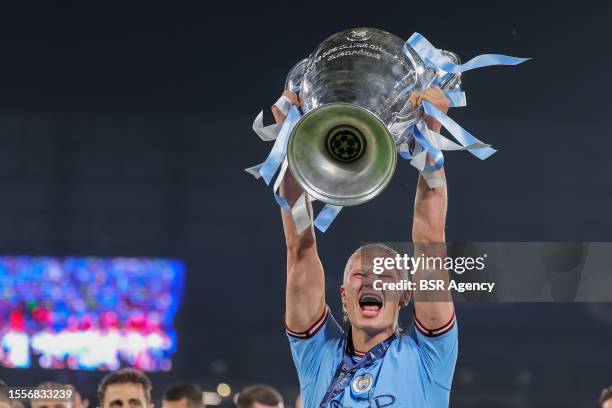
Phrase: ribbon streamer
(300,214)
(277,158)
(447,144)
(456,98)
(265,133)
(433,180)
(429,144)
(433,56)
(268,168)
(283,104)
(254,171)
(327,216)
(432,143)
(281,174)
(420,158)
(442,143)
(465,138)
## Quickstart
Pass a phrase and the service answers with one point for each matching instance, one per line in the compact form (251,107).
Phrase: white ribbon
(266,133)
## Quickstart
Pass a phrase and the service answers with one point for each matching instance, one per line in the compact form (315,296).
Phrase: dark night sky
(124,130)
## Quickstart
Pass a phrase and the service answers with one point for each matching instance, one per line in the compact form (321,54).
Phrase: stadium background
(124,131)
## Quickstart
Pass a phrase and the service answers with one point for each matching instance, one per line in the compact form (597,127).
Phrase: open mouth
(370,304)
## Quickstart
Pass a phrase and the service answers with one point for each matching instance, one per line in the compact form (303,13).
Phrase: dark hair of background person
(50,385)
(191,392)
(124,376)
(260,393)
(606,394)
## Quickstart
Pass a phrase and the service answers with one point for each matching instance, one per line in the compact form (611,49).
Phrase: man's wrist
(432,123)
(283,104)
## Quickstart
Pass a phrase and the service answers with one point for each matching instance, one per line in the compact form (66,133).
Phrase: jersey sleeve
(316,354)
(438,351)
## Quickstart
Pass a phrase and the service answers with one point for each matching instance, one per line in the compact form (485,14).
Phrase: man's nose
(370,277)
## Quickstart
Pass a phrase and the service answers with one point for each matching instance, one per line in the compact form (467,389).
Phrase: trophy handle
(295,76)
(449,81)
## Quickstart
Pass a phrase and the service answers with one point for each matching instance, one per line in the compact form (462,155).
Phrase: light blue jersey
(415,370)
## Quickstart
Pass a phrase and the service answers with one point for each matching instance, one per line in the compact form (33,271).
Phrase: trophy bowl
(354,91)
(342,154)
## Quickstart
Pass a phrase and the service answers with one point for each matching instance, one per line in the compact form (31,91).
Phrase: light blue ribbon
(432,150)
(456,98)
(282,202)
(268,168)
(433,56)
(464,137)
(326,216)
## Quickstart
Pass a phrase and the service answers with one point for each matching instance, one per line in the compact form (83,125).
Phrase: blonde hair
(374,247)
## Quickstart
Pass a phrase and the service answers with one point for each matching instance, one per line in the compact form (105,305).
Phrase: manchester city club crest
(362,383)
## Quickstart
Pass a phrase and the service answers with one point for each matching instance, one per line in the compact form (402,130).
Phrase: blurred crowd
(131,388)
(88,313)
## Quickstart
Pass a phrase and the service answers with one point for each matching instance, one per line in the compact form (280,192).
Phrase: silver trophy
(354,90)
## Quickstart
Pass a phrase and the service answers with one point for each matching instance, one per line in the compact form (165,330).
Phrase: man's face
(607,403)
(368,309)
(126,395)
(182,403)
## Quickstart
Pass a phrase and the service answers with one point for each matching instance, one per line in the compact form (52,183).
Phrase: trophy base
(341,154)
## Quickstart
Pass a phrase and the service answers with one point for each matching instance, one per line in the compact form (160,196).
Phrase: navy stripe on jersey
(435,332)
(312,330)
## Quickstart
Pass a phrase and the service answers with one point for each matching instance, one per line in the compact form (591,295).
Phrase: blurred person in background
(4,397)
(77,400)
(74,401)
(298,401)
(186,395)
(125,388)
(606,398)
(259,396)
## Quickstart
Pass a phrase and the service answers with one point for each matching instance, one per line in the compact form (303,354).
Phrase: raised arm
(434,309)
(305,292)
